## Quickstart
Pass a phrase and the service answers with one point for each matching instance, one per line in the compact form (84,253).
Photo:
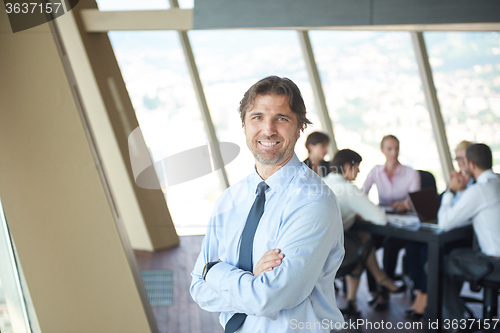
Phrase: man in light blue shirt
(298,244)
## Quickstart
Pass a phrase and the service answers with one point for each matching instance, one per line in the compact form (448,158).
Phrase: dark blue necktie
(246,247)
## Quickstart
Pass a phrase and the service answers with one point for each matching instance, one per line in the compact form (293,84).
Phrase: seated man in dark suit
(479,203)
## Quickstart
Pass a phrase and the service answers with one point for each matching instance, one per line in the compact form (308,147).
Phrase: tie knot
(261,188)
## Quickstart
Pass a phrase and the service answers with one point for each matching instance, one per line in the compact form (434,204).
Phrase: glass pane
(186,4)
(13,314)
(109,5)
(229,62)
(466,69)
(373,88)
(159,85)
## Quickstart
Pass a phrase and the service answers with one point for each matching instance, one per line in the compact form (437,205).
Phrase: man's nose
(269,127)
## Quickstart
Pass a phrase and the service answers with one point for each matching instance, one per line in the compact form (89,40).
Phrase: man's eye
(282,119)
(257,117)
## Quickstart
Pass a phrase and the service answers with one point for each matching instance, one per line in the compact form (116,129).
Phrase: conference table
(436,241)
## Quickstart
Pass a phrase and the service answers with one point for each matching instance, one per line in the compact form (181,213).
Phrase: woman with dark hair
(317,146)
(353,203)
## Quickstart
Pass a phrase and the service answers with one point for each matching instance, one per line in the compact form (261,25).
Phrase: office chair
(427,180)
(475,270)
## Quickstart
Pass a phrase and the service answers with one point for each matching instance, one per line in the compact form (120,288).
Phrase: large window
(372,89)
(158,82)
(370,80)
(466,69)
(229,62)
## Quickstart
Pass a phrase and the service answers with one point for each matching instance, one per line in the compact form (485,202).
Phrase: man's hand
(269,260)
(458,182)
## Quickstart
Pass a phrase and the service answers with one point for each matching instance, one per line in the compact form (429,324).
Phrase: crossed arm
(211,301)
(269,260)
(305,244)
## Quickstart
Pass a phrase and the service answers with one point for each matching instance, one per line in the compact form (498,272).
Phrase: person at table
(354,203)
(478,202)
(394,181)
(416,253)
(464,178)
(317,147)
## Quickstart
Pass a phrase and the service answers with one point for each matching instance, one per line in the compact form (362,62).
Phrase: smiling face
(461,160)
(271,131)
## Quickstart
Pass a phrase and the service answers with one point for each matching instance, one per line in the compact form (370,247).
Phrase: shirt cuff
(380,222)
(447,198)
(216,274)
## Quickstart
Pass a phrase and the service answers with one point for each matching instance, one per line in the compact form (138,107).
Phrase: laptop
(426,204)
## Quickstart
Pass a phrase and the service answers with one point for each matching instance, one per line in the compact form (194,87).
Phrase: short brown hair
(480,155)
(274,85)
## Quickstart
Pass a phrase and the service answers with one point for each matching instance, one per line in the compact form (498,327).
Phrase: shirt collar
(487,174)
(397,171)
(281,178)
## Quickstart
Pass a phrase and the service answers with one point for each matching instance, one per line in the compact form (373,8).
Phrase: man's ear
(471,166)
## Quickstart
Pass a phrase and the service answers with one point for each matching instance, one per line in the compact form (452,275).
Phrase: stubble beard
(267,159)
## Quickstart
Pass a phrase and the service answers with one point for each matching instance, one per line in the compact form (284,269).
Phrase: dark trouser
(416,258)
(390,259)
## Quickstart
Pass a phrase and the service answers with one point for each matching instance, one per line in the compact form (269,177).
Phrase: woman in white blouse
(354,203)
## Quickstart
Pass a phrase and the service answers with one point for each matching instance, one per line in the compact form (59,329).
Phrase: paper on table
(403,220)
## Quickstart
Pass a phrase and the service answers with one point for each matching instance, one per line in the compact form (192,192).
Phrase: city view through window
(370,81)
(466,68)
